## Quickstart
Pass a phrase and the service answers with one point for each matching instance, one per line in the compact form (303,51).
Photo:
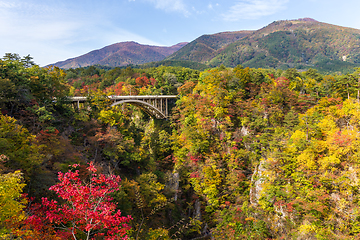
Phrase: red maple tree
(87,210)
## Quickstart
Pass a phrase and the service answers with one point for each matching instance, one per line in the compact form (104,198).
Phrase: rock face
(173,183)
(121,54)
(197,209)
(257,179)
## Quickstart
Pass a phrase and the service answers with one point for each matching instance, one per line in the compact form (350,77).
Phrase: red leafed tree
(142,81)
(119,88)
(88,211)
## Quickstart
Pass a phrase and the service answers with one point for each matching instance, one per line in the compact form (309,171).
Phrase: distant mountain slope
(205,47)
(121,54)
(298,43)
(302,43)
(175,63)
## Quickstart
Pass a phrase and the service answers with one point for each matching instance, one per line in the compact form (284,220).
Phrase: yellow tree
(11,201)
(314,181)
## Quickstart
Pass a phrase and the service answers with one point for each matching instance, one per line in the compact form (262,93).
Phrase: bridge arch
(147,107)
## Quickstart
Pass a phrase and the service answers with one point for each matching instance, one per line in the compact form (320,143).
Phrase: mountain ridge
(120,54)
(299,43)
(206,46)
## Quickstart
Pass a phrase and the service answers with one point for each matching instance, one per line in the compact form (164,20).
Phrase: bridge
(155,105)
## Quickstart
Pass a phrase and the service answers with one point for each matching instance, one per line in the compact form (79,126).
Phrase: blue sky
(52,31)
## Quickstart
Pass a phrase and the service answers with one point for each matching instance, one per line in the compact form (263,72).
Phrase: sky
(52,31)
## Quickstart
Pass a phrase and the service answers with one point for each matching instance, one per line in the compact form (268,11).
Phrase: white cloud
(33,22)
(170,6)
(51,33)
(212,6)
(37,30)
(4,4)
(253,9)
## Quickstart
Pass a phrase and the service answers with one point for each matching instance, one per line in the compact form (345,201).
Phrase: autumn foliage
(246,154)
(86,210)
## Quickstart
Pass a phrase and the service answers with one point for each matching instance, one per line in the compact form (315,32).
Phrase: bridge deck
(119,98)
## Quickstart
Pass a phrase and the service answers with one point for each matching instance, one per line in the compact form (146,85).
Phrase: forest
(246,154)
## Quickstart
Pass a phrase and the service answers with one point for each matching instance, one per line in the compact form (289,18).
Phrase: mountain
(206,47)
(300,43)
(121,54)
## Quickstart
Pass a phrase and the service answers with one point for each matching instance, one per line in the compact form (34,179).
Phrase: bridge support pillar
(166,111)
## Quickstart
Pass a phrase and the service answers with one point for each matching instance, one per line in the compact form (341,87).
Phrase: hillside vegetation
(298,43)
(247,154)
(174,63)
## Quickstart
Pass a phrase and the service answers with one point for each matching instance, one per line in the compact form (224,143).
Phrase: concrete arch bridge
(156,106)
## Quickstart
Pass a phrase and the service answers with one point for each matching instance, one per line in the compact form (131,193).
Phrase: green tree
(19,146)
